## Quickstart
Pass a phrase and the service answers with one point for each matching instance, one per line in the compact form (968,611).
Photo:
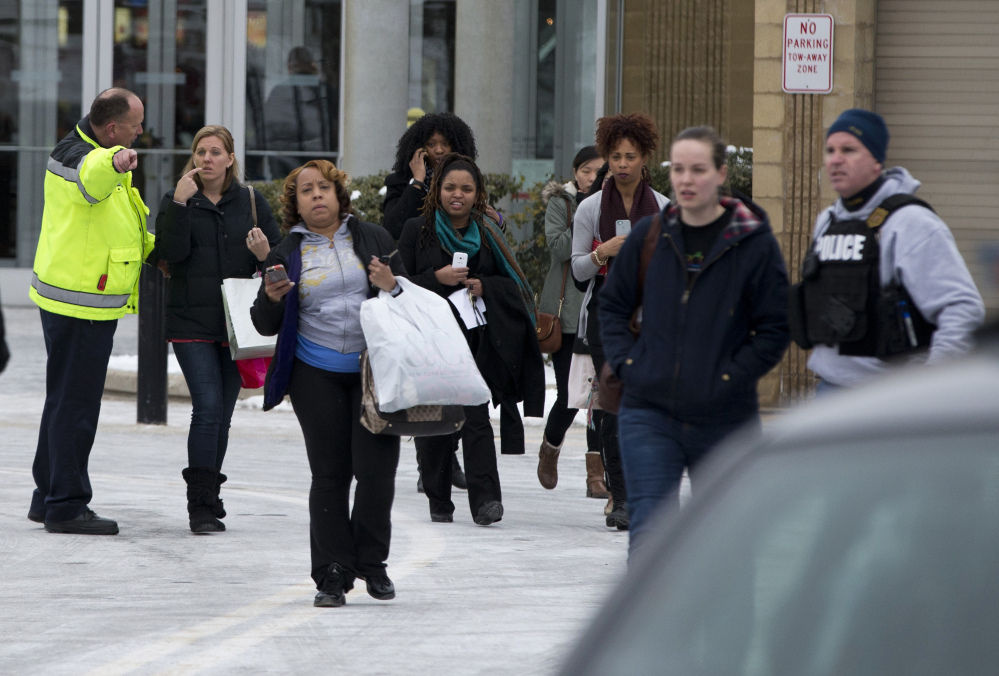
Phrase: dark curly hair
(639,128)
(449,125)
(289,191)
(432,202)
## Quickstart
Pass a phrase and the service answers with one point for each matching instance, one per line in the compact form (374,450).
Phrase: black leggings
(560,416)
(328,406)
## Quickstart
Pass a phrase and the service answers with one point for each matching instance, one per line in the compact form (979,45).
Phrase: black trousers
(78,353)
(609,447)
(328,406)
(511,428)
(479,449)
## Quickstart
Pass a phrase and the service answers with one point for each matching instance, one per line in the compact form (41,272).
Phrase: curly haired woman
(332,265)
(626,142)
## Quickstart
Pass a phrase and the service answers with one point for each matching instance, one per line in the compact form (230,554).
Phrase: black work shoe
(441,518)
(489,513)
(380,587)
(458,479)
(87,523)
(213,526)
(333,593)
(619,516)
(37,517)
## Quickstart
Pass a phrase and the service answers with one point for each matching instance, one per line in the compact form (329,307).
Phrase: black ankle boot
(202,484)
(218,509)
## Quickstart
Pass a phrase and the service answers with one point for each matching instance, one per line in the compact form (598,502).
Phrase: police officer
(884,279)
(86,276)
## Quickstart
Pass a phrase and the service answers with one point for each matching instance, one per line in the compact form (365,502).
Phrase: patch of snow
(130,363)
(354,195)
(383,190)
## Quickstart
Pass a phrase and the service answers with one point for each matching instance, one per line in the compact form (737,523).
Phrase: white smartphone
(460,260)
(622,227)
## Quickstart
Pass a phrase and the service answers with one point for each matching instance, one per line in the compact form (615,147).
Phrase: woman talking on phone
(205,232)
(602,223)
(452,248)
(318,276)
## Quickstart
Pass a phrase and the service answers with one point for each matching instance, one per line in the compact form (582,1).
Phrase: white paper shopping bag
(244,341)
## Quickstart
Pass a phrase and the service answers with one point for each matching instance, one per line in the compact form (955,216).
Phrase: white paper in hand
(472,315)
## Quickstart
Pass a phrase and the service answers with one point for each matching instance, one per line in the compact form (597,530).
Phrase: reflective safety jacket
(94,239)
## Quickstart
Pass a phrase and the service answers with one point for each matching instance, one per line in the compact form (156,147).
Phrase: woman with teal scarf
(454,221)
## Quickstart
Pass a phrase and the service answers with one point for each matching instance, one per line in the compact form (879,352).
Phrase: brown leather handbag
(610,390)
(549,327)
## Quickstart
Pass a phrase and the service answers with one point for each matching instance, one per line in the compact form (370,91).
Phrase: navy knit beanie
(867,126)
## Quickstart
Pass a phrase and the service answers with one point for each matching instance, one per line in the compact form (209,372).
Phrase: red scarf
(612,207)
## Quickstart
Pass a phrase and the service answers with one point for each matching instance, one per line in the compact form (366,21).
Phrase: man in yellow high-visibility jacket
(86,276)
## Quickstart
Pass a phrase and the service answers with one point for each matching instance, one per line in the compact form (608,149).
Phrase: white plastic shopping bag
(581,378)
(418,352)
(244,341)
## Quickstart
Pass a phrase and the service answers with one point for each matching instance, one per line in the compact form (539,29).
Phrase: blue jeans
(655,448)
(213,380)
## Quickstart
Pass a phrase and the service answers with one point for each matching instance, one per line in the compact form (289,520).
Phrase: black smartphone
(276,273)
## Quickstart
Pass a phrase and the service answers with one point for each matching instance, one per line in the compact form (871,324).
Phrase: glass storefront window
(292,85)
(41,47)
(159,53)
(431,38)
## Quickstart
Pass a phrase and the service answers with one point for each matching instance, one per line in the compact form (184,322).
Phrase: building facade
(293,80)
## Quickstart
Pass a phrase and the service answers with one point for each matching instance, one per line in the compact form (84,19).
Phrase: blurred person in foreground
(713,322)
(625,197)
(332,264)
(86,277)
(205,232)
(560,296)
(884,281)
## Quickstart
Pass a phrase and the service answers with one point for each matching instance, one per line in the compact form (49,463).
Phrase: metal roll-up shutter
(937,85)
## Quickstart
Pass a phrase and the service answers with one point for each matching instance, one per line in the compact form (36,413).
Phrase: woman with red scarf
(601,225)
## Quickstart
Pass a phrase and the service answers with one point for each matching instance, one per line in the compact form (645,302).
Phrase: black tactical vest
(840,300)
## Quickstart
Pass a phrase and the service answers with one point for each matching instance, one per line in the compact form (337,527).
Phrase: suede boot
(202,484)
(548,464)
(596,487)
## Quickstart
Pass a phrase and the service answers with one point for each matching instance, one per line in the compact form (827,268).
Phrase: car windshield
(879,557)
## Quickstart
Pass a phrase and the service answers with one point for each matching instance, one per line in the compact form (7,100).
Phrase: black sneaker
(333,593)
(37,517)
(380,587)
(619,516)
(87,523)
(489,513)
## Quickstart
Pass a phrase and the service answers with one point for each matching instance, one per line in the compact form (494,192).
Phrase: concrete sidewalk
(509,598)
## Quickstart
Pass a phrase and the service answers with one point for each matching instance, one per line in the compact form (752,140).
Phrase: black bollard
(151,387)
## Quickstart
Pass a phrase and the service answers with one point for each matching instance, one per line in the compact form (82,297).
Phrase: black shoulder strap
(890,205)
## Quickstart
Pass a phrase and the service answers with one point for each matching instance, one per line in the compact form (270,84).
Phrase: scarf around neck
(471,242)
(612,207)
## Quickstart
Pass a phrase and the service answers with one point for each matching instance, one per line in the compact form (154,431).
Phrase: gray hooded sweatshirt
(918,249)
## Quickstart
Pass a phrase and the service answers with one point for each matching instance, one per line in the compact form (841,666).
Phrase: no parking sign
(808,54)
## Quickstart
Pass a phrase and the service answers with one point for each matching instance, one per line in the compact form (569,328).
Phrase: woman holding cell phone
(326,266)
(601,225)
(454,248)
(205,233)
